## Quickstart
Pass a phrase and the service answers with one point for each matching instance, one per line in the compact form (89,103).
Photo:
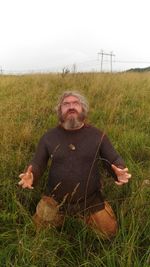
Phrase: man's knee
(112,230)
(47,213)
(104,221)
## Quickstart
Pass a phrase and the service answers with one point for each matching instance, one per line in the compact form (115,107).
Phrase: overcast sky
(50,34)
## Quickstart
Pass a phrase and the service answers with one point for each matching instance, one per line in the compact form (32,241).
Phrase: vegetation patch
(119,105)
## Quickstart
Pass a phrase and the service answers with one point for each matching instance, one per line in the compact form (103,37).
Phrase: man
(74,182)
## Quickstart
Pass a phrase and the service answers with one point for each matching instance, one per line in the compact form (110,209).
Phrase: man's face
(72,114)
(71,107)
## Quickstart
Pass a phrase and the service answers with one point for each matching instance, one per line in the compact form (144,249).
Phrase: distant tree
(139,69)
(74,68)
(65,71)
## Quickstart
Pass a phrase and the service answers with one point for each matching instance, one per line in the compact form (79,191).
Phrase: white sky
(50,34)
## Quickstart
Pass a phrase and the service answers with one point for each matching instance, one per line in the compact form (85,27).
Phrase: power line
(91,64)
(129,61)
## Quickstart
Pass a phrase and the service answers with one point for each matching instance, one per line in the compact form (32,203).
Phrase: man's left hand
(122,174)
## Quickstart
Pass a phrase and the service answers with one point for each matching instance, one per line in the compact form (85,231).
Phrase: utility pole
(102,53)
(111,55)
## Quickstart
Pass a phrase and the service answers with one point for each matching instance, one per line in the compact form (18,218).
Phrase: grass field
(120,106)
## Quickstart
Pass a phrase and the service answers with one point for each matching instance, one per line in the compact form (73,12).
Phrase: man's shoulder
(93,129)
(51,131)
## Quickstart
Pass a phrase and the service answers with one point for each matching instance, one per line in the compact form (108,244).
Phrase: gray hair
(81,98)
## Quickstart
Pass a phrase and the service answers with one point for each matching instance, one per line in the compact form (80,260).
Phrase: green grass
(119,105)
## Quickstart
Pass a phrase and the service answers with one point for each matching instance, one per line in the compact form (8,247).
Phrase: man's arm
(114,163)
(36,166)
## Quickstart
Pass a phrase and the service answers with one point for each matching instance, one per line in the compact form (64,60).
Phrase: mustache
(64,117)
(71,110)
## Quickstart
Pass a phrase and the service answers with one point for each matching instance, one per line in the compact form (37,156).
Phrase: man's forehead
(70,98)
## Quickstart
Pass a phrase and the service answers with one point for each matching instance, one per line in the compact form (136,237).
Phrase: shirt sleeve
(40,159)
(109,156)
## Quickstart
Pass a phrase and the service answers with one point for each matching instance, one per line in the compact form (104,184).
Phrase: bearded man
(74,181)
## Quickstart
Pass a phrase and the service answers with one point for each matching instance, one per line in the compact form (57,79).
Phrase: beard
(72,122)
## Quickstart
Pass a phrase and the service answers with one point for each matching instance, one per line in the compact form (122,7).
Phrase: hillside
(139,69)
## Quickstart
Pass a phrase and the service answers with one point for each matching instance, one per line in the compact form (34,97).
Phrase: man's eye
(66,104)
(76,103)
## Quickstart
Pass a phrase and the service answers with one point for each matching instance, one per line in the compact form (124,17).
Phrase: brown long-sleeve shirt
(74,176)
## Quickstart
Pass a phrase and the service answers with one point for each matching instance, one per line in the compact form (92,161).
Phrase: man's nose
(71,105)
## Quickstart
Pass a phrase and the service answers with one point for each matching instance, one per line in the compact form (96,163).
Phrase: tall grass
(119,105)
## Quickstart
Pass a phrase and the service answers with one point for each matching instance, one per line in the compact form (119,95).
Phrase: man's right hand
(26,178)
